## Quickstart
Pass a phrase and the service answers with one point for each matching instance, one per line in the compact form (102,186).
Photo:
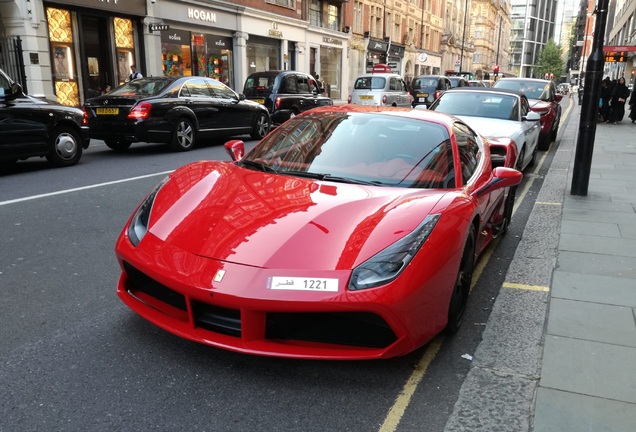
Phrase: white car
(496,113)
(381,88)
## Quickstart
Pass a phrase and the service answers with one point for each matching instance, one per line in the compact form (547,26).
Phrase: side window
(313,86)
(469,151)
(5,87)
(290,84)
(198,88)
(303,84)
(220,91)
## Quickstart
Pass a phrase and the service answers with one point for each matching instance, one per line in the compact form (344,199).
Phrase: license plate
(422,95)
(304,284)
(260,101)
(366,97)
(107,111)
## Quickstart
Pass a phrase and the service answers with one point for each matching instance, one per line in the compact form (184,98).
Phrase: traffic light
(495,69)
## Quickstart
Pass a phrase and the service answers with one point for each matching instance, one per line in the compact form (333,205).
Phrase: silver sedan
(496,113)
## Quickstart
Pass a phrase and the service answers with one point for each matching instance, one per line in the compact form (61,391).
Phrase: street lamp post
(461,56)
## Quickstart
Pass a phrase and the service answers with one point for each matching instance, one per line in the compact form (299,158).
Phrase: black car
(426,88)
(173,110)
(457,81)
(285,93)
(31,127)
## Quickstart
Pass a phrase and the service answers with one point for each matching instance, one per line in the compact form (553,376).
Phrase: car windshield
(424,82)
(478,104)
(532,90)
(259,83)
(370,83)
(359,148)
(140,87)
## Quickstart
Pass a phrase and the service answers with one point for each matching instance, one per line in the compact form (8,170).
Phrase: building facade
(621,34)
(75,48)
(490,32)
(533,25)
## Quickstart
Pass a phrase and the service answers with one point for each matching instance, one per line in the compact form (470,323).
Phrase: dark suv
(426,88)
(31,127)
(284,93)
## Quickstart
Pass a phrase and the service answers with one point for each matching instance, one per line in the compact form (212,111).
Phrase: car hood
(490,127)
(221,211)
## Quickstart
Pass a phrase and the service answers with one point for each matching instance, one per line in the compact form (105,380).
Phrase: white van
(381,87)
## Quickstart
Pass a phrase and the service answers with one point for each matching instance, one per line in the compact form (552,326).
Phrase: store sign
(201,15)
(158,27)
(375,45)
(274,32)
(332,41)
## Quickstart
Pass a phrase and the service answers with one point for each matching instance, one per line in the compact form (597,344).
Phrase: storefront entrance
(98,68)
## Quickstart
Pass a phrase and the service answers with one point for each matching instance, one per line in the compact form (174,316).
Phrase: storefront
(331,66)
(195,40)
(263,54)
(92,45)
(376,53)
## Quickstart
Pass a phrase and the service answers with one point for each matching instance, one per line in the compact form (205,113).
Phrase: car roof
(526,79)
(485,90)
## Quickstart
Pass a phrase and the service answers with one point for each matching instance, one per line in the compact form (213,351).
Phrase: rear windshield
(141,87)
(259,84)
(531,89)
(424,82)
(370,83)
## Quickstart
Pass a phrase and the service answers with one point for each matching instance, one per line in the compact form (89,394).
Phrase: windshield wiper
(329,177)
(257,165)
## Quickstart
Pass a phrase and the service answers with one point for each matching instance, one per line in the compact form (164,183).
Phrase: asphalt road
(74,358)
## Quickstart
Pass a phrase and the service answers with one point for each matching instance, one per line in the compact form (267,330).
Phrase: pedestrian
(134,74)
(321,84)
(606,95)
(632,108)
(107,89)
(617,102)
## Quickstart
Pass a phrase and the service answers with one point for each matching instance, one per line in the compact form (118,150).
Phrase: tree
(549,62)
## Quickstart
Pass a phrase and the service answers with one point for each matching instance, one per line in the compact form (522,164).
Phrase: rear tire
(261,127)
(459,298)
(65,147)
(183,136)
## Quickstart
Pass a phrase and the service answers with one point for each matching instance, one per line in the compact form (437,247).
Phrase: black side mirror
(16,90)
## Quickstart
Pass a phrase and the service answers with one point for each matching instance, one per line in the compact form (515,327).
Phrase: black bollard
(589,110)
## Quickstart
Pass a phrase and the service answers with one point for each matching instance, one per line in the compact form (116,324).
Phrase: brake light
(437,94)
(349,99)
(277,102)
(141,111)
(384,100)
(85,118)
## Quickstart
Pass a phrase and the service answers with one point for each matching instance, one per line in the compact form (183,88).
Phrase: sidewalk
(559,351)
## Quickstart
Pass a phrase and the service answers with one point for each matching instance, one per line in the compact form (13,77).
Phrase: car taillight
(349,99)
(277,102)
(437,94)
(85,118)
(384,100)
(140,111)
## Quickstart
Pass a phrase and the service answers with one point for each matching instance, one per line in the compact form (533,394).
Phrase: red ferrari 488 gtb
(348,232)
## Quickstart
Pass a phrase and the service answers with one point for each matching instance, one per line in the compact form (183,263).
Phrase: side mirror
(241,97)
(532,116)
(558,97)
(502,177)
(235,149)
(14,91)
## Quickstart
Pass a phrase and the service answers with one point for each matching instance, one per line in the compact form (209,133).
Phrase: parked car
(176,111)
(381,87)
(476,83)
(496,113)
(331,239)
(285,94)
(426,88)
(458,81)
(37,127)
(563,88)
(543,99)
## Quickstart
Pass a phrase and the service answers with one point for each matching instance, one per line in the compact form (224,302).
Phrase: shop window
(125,46)
(62,64)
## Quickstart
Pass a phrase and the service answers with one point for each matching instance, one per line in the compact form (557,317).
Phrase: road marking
(547,203)
(525,287)
(402,402)
(65,191)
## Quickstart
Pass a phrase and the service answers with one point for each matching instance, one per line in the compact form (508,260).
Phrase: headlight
(139,223)
(389,263)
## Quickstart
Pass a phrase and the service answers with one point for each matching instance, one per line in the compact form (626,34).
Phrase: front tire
(183,136)
(261,127)
(459,298)
(65,147)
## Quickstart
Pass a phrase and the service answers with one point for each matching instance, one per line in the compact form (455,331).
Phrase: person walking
(606,95)
(632,108)
(617,102)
